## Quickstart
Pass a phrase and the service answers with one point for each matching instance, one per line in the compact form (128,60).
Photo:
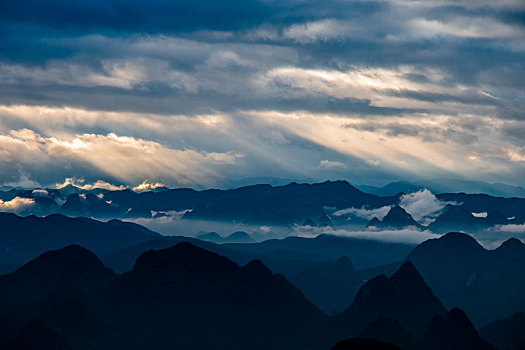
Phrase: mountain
(23,238)
(317,266)
(69,268)
(455,331)
(507,333)
(446,186)
(363,252)
(390,331)
(211,237)
(457,218)
(238,237)
(329,285)
(397,218)
(462,273)
(284,205)
(187,297)
(404,297)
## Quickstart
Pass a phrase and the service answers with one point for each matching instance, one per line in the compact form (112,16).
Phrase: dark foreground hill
(186,297)
(487,284)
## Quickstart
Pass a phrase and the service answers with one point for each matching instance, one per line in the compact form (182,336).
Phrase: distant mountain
(211,237)
(330,285)
(238,237)
(397,218)
(507,333)
(404,297)
(23,238)
(292,204)
(363,252)
(462,273)
(446,185)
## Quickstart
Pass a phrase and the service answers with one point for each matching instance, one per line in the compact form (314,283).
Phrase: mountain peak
(184,257)
(511,244)
(257,268)
(71,258)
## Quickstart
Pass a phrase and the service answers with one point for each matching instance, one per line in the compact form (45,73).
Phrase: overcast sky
(206,93)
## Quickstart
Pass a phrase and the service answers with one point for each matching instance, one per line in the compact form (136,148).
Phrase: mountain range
(187,297)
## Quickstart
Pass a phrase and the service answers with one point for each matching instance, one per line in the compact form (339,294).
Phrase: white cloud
(480,215)
(125,158)
(331,164)
(323,30)
(422,205)
(411,236)
(40,193)
(81,183)
(146,186)
(364,213)
(17,205)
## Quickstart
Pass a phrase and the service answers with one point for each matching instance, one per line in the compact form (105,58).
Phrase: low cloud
(17,205)
(364,213)
(146,186)
(410,236)
(422,205)
(81,183)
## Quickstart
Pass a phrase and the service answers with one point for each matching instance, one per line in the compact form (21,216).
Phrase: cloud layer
(207,93)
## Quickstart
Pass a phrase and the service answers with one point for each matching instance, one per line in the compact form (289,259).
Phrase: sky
(217,93)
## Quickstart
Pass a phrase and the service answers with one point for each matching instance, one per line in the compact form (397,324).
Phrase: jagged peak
(459,319)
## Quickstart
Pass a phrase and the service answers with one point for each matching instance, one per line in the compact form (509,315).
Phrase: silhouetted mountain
(329,285)
(391,331)
(238,237)
(397,218)
(457,218)
(70,268)
(211,237)
(447,186)
(23,238)
(73,206)
(461,272)
(404,297)
(363,344)
(453,332)
(507,333)
(187,297)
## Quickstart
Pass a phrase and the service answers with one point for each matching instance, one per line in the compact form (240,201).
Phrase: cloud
(364,213)
(40,193)
(374,84)
(331,164)
(124,158)
(422,205)
(17,205)
(398,236)
(81,183)
(512,228)
(146,186)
